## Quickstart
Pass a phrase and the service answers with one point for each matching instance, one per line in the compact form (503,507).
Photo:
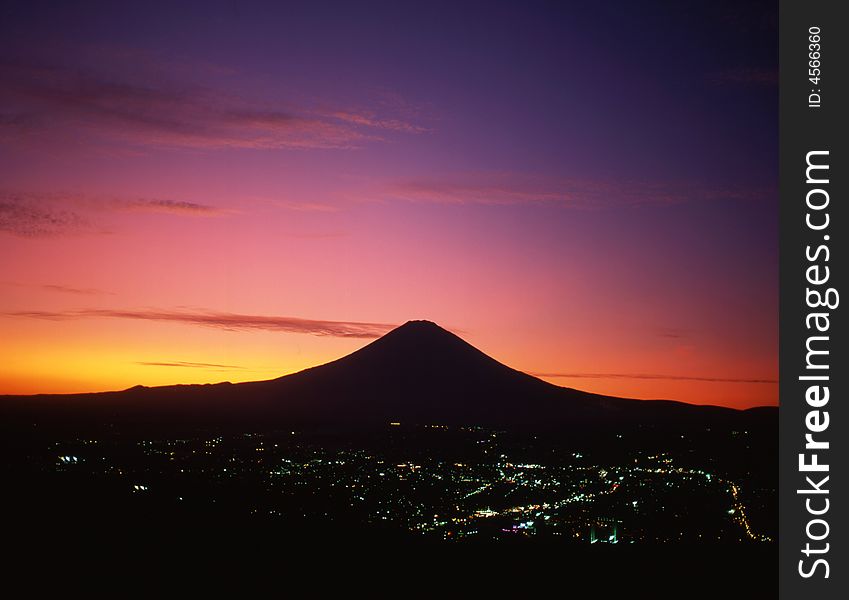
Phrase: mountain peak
(420,324)
(418,372)
(420,334)
(421,329)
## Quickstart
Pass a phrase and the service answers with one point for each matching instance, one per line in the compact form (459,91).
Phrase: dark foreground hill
(417,373)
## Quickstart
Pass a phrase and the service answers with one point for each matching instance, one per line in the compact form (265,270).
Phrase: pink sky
(234,204)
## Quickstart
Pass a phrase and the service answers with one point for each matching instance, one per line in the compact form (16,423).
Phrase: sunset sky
(586,191)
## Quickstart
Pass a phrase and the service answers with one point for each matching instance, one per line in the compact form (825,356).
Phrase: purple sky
(581,188)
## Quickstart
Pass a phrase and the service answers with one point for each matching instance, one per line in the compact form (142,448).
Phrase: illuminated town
(437,482)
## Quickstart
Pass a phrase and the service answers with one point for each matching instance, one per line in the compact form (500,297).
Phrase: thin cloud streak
(29,218)
(39,97)
(40,215)
(193,365)
(60,288)
(372,120)
(176,207)
(225,321)
(67,289)
(650,377)
(672,333)
(510,189)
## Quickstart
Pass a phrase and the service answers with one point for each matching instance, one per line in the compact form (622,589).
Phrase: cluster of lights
(561,497)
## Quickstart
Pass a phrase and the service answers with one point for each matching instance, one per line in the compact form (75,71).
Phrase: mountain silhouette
(418,373)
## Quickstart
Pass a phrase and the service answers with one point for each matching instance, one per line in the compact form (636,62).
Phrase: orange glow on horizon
(95,360)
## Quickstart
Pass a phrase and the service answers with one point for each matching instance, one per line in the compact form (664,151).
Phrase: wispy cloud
(192,365)
(36,215)
(370,119)
(223,320)
(28,217)
(178,207)
(472,192)
(673,333)
(512,189)
(60,288)
(648,376)
(67,289)
(153,112)
(305,206)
